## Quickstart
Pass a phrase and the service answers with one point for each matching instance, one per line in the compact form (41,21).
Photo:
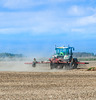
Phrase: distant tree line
(75,54)
(9,55)
(83,54)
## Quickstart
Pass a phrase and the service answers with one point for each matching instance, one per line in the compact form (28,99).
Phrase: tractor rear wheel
(73,65)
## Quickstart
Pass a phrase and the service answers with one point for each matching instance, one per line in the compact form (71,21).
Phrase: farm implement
(63,58)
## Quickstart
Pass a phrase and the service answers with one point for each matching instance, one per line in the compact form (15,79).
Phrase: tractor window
(65,51)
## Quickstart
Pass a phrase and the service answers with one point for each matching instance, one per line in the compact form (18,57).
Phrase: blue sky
(34,27)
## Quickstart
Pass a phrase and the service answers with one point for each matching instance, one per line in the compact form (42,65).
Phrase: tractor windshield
(62,51)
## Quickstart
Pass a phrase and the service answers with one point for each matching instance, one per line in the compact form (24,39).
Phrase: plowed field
(66,85)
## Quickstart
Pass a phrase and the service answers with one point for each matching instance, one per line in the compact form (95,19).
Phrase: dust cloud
(19,65)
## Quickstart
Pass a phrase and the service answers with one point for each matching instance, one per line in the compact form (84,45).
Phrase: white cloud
(38,22)
(18,4)
(87,20)
(78,30)
(12,30)
(21,4)
(76,11)
(44,22)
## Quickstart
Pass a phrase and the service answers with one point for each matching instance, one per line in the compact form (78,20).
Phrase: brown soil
(66,85)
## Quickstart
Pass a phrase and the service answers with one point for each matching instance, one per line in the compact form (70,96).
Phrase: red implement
(58,62)
(42,62)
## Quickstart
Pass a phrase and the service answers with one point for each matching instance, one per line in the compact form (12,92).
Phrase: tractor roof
(61,47)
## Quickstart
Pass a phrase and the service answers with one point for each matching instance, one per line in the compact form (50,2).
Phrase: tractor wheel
(73,65)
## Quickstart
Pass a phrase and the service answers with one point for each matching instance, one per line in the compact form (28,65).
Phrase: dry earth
(47,85)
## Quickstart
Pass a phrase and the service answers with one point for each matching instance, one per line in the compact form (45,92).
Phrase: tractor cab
(64,52)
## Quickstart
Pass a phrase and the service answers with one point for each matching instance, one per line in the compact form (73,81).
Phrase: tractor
(64,58)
